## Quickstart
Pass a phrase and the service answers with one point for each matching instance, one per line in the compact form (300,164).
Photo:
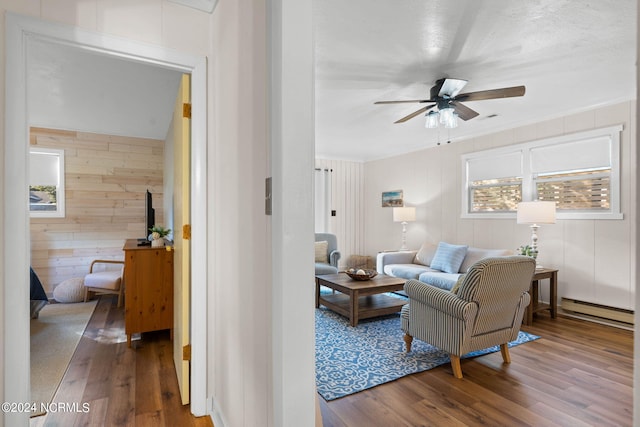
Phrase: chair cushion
(321,251)
(405,271)
(448,257)
(103,280)
(70,290)
(323,268)
(439,279)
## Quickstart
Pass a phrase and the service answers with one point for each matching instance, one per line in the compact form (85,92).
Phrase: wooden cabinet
(148,293)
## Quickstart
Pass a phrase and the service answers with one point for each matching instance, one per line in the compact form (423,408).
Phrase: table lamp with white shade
(404,215)
(535,213)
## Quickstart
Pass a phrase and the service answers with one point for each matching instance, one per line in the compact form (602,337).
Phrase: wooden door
(181,235)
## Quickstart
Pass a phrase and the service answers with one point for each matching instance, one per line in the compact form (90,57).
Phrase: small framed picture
(392,199)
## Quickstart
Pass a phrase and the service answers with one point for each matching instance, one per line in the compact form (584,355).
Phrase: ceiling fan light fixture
(448,117)
(453,122)
(447,100)
(432,120)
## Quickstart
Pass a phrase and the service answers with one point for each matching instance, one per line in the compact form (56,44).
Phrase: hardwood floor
(577,374)
(123,386)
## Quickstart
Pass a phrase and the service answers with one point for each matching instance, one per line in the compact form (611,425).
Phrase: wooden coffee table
(360,299)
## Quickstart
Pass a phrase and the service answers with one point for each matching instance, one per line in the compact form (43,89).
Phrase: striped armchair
(486,310)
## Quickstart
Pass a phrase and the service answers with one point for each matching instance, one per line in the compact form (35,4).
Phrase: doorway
(20,32)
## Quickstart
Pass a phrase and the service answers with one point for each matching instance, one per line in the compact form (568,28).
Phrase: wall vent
(596,310)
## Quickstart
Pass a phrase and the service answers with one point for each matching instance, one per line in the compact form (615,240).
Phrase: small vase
(157,243)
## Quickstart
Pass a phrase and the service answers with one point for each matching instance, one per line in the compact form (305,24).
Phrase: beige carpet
(54,338)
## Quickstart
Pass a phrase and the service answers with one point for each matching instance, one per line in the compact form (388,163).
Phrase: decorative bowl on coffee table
(361,273)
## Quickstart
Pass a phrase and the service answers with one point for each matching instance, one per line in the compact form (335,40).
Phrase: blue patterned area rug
(349,360)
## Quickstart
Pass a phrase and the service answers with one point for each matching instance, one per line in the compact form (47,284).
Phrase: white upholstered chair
(108,281)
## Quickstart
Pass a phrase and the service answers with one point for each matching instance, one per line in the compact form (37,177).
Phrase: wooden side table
(535,305)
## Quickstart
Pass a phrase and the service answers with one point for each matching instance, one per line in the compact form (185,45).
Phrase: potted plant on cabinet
(158,233)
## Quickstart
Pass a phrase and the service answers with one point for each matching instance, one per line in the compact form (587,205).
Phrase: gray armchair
(333,255)
(486,310)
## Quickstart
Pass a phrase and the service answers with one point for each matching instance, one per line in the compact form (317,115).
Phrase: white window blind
(580,172)
(44,168)
(504,165)
(592,153)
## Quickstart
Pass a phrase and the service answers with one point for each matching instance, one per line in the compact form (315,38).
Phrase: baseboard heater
(597,310)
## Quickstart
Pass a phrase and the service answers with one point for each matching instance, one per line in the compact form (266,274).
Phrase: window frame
(60,211)
(613,133)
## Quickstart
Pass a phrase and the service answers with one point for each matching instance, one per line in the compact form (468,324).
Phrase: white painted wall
(239,338)
(291,109)
(261,320)
(595,257)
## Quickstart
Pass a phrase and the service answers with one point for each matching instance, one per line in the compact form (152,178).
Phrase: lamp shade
(405,214)
(537,212)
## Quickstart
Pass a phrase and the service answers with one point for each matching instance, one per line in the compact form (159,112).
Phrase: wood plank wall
(106,178)
(347,193)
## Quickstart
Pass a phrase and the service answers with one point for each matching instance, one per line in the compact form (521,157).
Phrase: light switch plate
(267,196)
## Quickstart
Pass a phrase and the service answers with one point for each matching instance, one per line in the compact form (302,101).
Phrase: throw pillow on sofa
(474,255)
(448,257)
(426,253)
(321,251)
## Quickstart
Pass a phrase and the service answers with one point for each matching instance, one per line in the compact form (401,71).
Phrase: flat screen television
(150,219)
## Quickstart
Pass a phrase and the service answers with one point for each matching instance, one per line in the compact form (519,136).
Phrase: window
(46,183)
(580,172)
(495,195)
(495,182)
(577,191)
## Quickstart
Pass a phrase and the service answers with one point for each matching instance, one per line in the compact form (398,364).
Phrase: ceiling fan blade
(464,112)
(415,113)
(402,102)
(506,92)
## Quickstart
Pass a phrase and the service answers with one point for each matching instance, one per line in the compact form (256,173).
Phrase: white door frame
(16,247)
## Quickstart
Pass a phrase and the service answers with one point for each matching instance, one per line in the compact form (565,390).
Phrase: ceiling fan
(446,96)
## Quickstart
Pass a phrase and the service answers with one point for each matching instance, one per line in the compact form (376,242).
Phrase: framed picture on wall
(392,199)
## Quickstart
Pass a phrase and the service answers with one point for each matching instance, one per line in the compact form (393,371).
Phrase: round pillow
(70,290)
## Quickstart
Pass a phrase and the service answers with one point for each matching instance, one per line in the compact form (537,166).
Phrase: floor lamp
(404,215)
(534,213)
